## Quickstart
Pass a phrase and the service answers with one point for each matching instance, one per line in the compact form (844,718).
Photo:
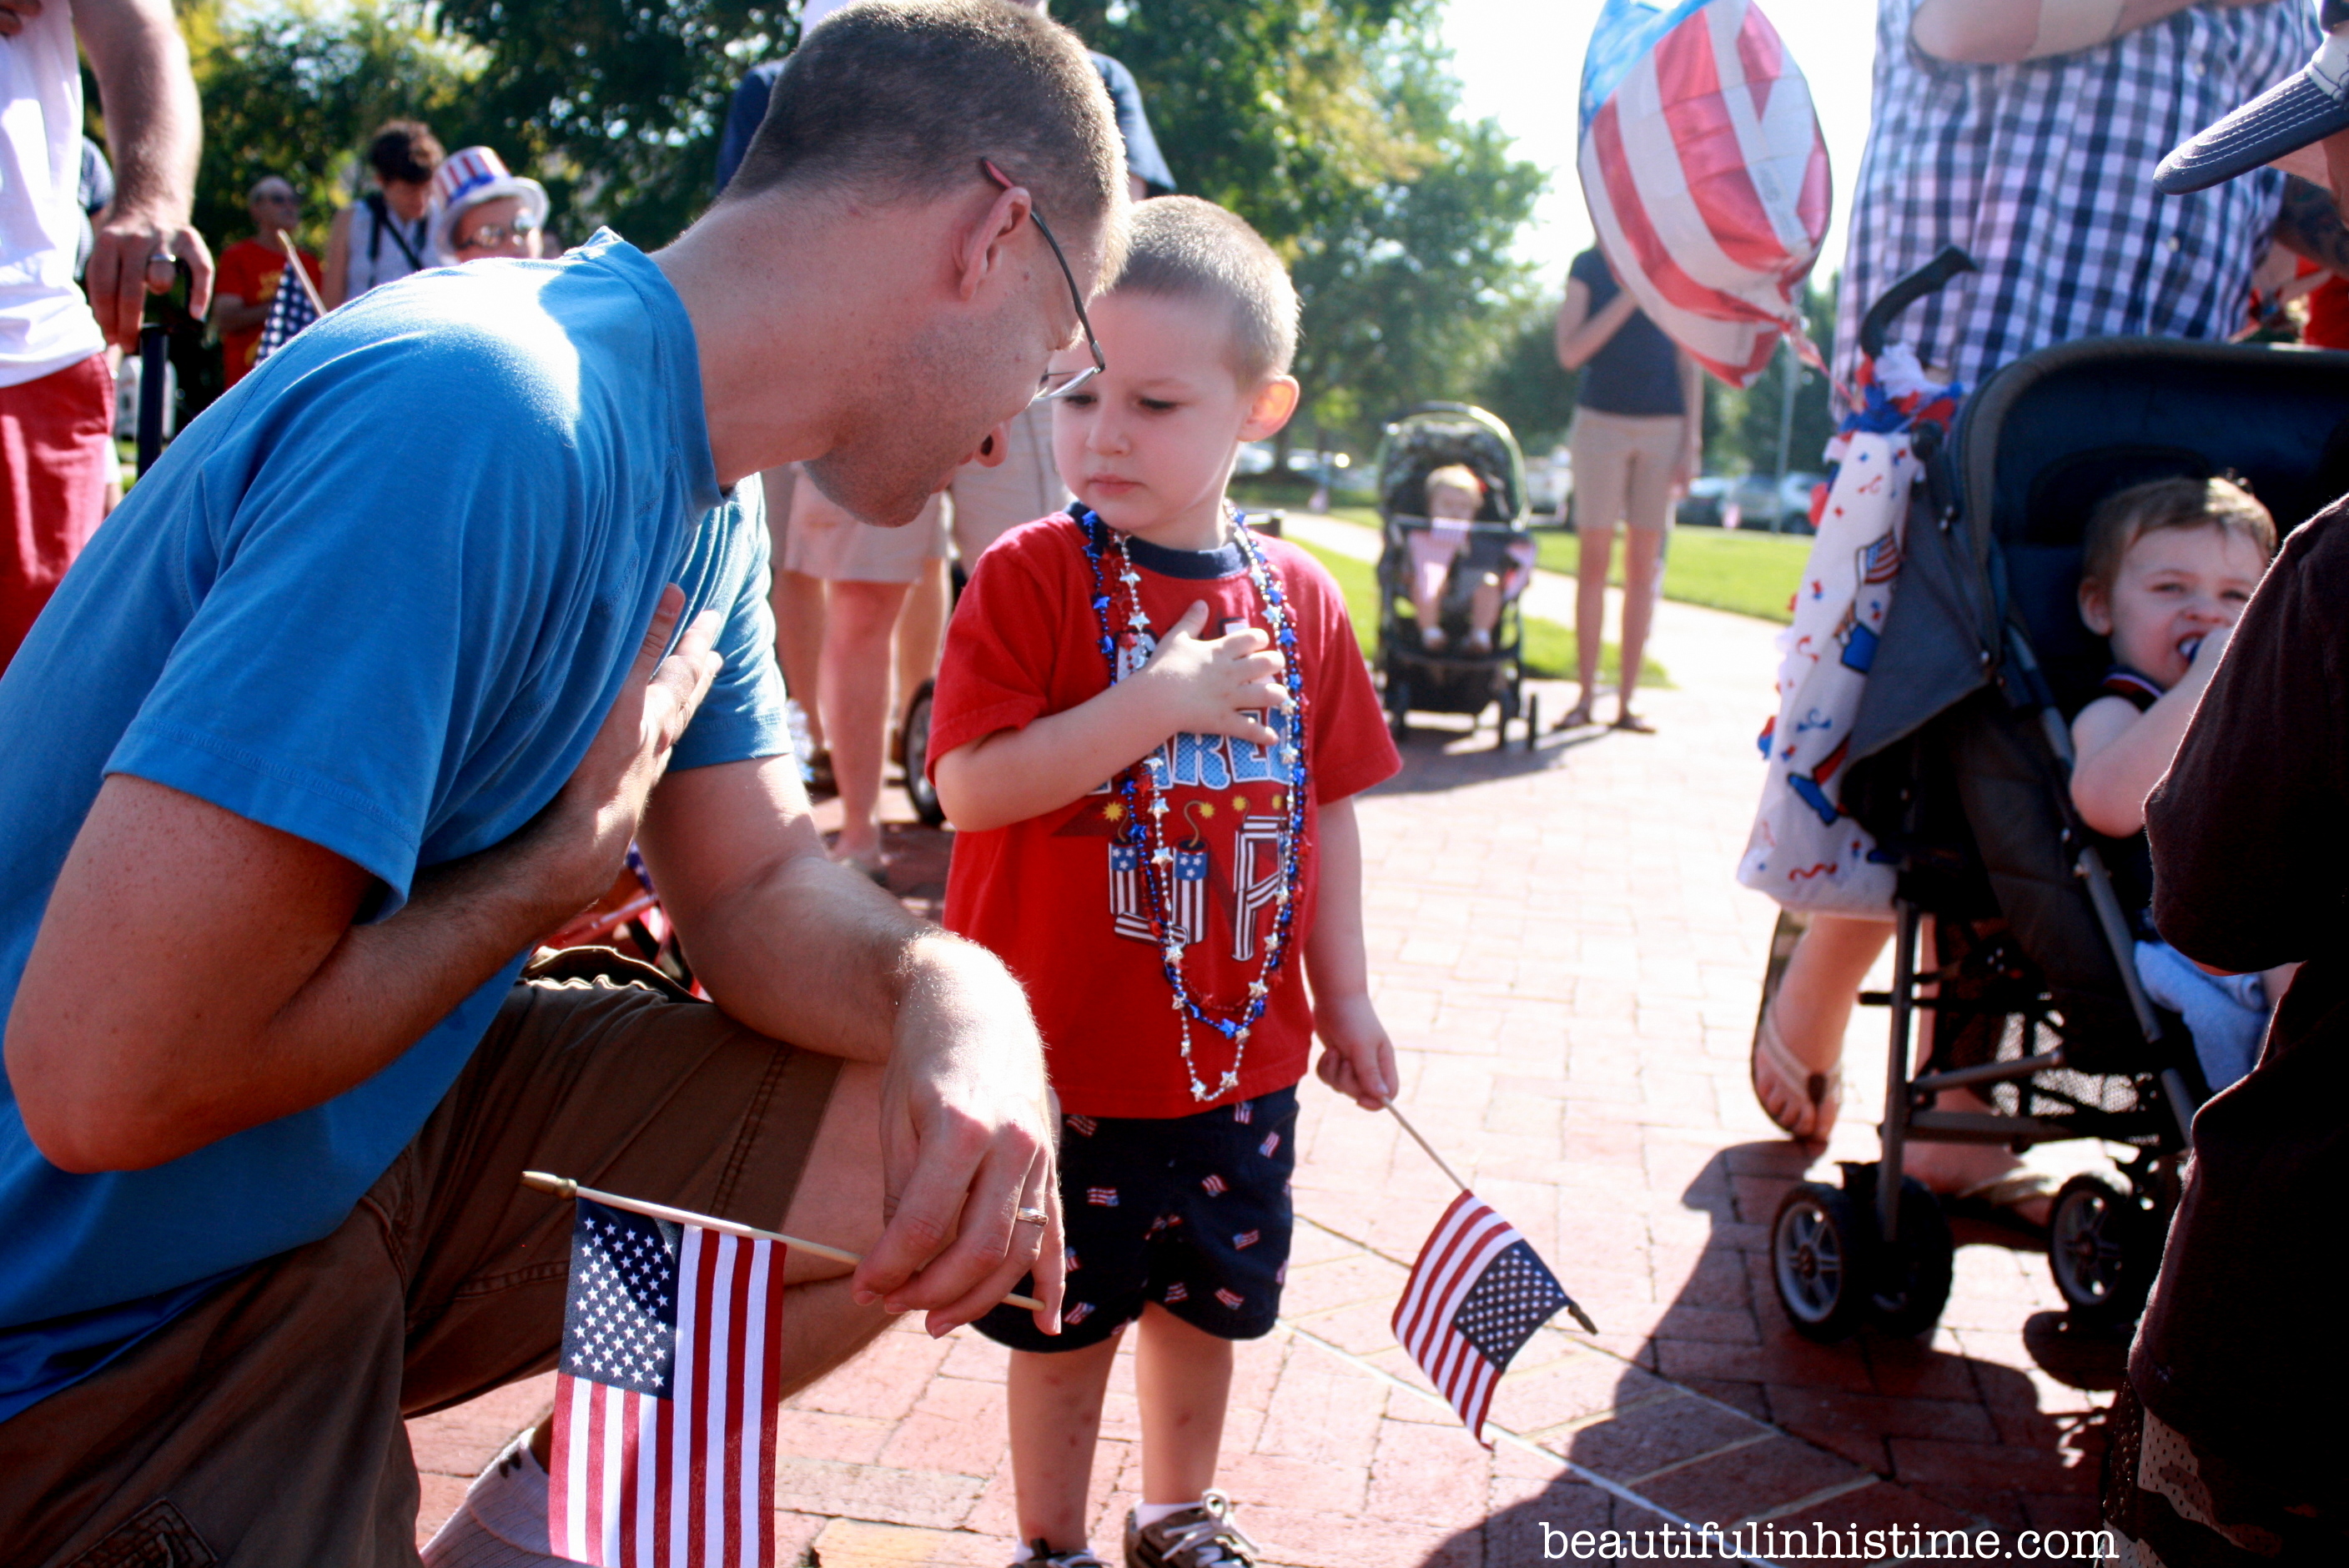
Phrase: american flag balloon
(1706,175)
(665,1401)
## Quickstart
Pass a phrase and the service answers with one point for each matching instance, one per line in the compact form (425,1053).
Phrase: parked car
(1749,500)
(1548,483)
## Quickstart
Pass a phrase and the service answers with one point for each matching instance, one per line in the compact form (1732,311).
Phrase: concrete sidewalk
(1571,976)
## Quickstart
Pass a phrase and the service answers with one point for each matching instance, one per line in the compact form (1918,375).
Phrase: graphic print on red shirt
(1060,897)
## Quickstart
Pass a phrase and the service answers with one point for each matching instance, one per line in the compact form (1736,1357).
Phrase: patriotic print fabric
(1476,1296)
(289,312)
(1706,175)
(663,1412)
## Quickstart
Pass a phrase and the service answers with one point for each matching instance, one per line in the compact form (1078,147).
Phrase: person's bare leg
(1183,1381)
(1055,1407)
(921,633)
(1644,572)
(1483,612)
(838,1201)
(798,602)
(1598,546)
(858,622)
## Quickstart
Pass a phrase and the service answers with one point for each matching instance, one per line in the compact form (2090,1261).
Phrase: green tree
(1525,385)
(1333,127)
(615,104)
(295,90)
(1742,425)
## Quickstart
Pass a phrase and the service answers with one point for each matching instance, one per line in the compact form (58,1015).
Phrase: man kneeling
(309,751)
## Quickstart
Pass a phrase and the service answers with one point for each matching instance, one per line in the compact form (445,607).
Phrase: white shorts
(824,541)
(991,502)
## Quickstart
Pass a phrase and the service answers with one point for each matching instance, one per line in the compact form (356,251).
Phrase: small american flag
(1213,1185)
(1178,1291)
(1101,1197)
(1476,1296)
(289,312)
(1246,1239)
(665,1407)
(1230,1298)
(1271,1142)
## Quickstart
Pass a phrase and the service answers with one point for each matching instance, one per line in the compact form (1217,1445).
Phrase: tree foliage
(1333,127)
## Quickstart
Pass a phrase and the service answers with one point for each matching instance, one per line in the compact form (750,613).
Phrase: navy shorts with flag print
(1190,1212)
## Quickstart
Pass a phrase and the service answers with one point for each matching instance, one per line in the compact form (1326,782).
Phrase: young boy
(1148,725)
(2167,568)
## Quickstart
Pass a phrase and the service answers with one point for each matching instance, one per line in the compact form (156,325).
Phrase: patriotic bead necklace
(1146,808)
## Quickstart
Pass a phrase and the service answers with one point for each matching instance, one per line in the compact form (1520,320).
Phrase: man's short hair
(2126,516)
(905,98)
(1182,247)
(405,149)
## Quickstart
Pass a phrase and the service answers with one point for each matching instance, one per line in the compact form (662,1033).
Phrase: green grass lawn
(1549,647)
(1749,573)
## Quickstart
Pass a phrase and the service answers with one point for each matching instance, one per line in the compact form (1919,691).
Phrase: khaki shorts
(991,502)
(1623,468)
(264,1425)
(824,541)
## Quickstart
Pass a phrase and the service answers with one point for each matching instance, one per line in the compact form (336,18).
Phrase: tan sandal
(1788,1081)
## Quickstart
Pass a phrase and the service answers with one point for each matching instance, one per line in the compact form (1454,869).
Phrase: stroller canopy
(1435,435)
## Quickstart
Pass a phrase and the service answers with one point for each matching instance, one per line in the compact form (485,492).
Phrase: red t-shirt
(251,270)
(1060,898)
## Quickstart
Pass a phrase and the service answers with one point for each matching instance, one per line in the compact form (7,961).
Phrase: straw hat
(468,178)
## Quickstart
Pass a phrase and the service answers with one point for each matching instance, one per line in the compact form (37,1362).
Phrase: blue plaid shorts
(1191,1211)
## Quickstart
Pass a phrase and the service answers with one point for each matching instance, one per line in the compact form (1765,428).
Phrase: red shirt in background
(1059,897)
(251,271)
(2328,315)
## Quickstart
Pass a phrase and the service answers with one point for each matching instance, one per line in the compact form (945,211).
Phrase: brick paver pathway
(1572,976)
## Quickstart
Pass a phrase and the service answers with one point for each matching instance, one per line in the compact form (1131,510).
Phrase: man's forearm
(2007,32)
(153,125)
(2309,225)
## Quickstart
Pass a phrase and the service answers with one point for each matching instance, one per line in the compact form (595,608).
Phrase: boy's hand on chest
(1215,686)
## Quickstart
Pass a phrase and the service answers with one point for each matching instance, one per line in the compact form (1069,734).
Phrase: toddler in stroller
(1442,578)
(2165,571)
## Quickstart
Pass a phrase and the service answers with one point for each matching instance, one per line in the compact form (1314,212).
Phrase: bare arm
(2121,754)
(231,313)
(1691,458)
(196,974)
(337,286)
(2006,32)
(153,134)
(1210,685)
(1581,334)
(803,950)
(1358,1058)
(2309,225)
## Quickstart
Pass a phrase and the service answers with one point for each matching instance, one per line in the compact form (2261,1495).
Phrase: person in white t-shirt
(57,394)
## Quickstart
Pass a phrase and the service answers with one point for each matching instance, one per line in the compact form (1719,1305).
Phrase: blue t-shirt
(1638,371)
(379,596)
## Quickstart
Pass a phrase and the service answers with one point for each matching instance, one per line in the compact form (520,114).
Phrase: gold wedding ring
(1030,1216)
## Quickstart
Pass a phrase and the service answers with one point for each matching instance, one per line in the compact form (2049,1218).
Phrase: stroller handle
(1931,278)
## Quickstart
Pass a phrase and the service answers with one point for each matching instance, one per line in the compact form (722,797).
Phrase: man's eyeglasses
(1058,383)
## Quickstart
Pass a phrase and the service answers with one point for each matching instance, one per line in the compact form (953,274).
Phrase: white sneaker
(501,1523)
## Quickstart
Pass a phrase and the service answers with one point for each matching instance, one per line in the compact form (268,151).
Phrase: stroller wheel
(914,743)
(2103,1248)
(1818,1255)
(1911,1282)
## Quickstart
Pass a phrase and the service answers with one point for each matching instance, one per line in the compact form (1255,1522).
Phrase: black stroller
(2031,991)
(1458,679)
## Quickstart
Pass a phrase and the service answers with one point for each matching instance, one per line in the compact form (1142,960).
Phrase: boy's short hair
(906,96)
(1184,248)
(1455,476)
(2126,516)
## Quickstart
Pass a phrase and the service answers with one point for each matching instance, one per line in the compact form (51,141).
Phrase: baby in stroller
(1455,496)
(2166,569)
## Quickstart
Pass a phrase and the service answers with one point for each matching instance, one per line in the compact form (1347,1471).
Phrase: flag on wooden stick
(665,1405)
(290,310)
(1476,1296)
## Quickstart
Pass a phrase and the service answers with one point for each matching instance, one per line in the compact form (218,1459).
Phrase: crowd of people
(279,1041)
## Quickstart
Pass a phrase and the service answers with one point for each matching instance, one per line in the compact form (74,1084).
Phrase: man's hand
(1357,1058)
(967,1141)
(1216,685)
(586,831)
(154,135)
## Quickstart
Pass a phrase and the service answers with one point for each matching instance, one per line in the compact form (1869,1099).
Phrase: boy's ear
(2096,607)
(1275,401)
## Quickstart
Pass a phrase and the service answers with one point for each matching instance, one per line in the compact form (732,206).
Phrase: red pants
(57,454)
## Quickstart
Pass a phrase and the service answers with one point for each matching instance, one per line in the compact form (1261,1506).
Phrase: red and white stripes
(686,1482)
(1707,179)
(1464,1242)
